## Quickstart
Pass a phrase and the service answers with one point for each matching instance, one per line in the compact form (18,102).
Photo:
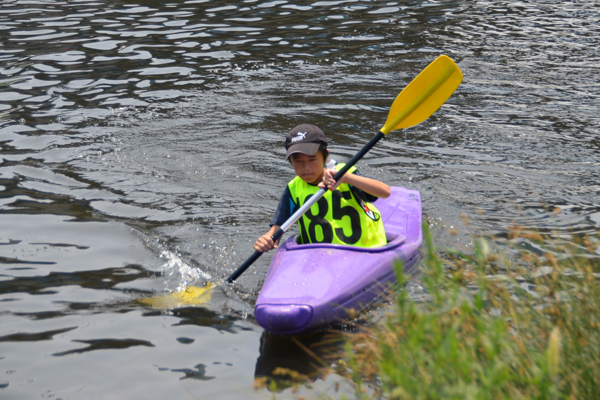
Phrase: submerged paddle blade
(424,95)
(191,296)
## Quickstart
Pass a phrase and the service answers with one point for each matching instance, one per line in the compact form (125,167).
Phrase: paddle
(421,98)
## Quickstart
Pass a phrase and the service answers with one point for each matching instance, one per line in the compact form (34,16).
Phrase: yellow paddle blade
(191,296)
(424,95)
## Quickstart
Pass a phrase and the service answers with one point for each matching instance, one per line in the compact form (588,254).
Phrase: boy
(342,215)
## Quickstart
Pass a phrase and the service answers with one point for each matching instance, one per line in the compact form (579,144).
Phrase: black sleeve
(285,208)
(366,197)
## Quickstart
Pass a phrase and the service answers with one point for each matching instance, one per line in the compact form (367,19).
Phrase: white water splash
(179,273)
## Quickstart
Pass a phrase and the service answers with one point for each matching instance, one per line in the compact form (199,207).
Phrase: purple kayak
(311,286)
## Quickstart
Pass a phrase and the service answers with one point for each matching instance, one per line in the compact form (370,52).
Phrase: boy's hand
(264,244)
(328,180)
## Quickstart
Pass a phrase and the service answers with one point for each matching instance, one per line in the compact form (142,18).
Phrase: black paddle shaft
(279,233)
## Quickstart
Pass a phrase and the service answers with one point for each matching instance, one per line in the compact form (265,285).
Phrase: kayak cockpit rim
(394,240)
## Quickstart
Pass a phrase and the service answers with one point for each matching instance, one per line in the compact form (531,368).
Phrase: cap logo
(301,136)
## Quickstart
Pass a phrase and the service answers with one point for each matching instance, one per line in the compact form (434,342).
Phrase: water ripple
(129,129)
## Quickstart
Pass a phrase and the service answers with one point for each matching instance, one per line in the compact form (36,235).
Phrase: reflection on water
(289,359)
(129,129)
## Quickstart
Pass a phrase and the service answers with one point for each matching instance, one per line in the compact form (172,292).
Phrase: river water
(141,135)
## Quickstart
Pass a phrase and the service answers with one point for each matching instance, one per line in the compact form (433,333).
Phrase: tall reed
(494,327)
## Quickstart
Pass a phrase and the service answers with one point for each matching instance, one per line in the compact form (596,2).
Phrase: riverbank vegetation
(494,326)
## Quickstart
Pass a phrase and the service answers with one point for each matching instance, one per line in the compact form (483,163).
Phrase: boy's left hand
(328,180)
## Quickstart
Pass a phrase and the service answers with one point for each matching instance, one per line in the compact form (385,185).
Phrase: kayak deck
(311,286)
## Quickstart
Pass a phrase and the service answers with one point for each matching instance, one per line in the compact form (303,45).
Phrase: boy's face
(308,168)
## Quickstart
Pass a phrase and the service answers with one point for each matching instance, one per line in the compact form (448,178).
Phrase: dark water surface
(131,130)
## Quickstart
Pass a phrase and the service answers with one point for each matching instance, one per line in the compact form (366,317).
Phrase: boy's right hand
(264,244)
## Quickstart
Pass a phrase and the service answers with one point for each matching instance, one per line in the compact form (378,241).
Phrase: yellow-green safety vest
(338,216)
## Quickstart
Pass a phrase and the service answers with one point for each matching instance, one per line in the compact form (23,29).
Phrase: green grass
(481,334)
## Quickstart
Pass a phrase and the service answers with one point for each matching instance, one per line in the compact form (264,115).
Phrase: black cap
(304,139)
